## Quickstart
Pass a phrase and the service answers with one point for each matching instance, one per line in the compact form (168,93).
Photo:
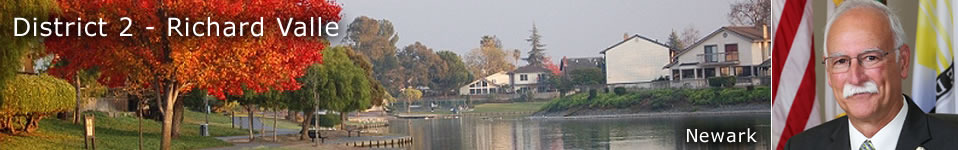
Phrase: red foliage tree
(170,65)
(547,63)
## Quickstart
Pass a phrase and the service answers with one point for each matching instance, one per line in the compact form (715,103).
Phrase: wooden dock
(376,141)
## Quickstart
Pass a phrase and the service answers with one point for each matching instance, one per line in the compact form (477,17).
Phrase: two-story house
(728,51)
(530,78)
(636,59)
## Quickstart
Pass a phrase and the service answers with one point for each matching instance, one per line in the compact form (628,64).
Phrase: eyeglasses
(869,59)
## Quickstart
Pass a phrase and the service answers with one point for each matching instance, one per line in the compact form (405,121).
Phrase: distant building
(570,64)
(530,78)
(494,83)
(728,51)
(635,59)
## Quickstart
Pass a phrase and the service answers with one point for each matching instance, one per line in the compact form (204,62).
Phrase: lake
(516,132)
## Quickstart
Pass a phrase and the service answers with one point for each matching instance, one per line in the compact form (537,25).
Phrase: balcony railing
(718,58)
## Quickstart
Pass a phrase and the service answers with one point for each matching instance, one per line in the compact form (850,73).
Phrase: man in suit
(866,60)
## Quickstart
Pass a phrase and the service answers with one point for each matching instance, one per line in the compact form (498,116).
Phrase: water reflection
(486,133)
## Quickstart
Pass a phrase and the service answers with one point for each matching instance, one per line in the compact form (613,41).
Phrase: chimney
(625,36)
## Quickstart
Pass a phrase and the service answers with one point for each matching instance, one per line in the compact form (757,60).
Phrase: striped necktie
(867,145)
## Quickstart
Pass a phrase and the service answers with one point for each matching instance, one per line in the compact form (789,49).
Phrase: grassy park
(121,133)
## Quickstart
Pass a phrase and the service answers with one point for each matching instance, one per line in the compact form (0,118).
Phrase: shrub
(29,98)
(619,91)
(717,82)
(329,120)
(592,93)
(701,96)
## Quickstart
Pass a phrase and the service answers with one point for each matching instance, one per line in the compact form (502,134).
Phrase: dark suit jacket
(919,130)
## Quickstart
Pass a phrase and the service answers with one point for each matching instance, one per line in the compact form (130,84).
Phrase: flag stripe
(787,26)
(802,105)
(793,103)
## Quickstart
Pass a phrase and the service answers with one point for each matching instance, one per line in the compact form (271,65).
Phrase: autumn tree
(170,65)
(537,54)
(456,74)
(750,13)
(487,60)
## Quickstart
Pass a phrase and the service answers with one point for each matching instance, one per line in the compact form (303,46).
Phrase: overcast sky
(572,28)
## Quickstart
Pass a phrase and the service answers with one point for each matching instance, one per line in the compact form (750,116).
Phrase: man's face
(865,91)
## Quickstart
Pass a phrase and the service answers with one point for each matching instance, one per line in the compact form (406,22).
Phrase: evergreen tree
(537,53)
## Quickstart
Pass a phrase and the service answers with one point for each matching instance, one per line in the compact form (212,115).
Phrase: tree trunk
(342,120)
(249,108)
(291,115)
(76,87)
(275,117)
(262,125)
(303,132)
(170,98)
(177,118)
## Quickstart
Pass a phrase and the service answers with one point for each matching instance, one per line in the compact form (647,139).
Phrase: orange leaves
(222,65)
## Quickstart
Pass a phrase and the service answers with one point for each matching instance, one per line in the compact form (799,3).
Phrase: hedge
(29,98)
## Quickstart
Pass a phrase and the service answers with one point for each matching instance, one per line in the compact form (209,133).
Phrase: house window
(472,91)
(743,71)
(709,51)
(709,72)
(688,74)
(731,52)
(675,74)
(523,77)
(484,84)
(541,77)
(726,71)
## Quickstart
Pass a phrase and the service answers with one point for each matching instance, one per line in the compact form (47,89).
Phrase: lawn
(509,107)
(121,133)
(268,120)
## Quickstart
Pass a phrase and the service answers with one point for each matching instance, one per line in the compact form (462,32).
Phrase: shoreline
(654,114)
(589,113)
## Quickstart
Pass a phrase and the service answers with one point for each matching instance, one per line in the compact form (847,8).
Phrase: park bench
(313,135)
(351,128)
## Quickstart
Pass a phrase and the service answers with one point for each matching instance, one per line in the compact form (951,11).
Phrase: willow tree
(337,84)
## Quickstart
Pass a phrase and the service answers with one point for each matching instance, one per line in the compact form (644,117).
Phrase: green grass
(223,120)
(509,107)
(121,133)
(660,98)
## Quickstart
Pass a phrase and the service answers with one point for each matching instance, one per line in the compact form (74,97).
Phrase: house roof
(748,32)
(630,38)
(579,63)
(530,69)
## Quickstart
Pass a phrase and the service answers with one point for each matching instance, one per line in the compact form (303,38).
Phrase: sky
(569,28)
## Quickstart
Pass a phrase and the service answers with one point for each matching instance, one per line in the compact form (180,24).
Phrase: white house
(636,59)
(530,78)
(728,51)
(493,83)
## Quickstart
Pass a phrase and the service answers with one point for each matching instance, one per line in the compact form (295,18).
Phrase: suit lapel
(915,131)
(840,135)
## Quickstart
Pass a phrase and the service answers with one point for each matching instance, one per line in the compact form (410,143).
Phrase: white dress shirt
(886,138)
